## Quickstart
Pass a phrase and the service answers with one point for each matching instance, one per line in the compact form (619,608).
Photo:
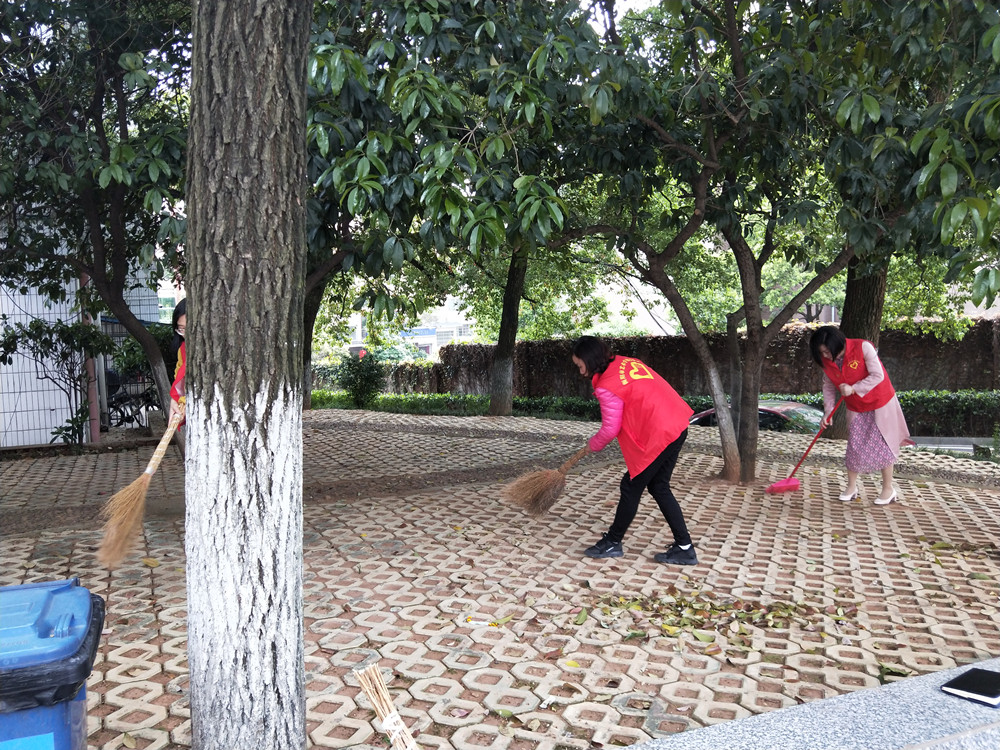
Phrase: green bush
(362,377)
(324,376)
(129,358)
(327,399)
(964,413)
(958,414)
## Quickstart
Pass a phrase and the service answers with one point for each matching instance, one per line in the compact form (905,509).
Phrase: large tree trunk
(246,245)
(727,432)
(313,301)
(863,303)
(748,427)
(502,369)
(862,319)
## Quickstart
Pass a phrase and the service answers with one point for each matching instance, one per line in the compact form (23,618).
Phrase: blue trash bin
(49,634)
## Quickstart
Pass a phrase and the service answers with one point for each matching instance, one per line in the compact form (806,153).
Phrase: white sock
(684,546)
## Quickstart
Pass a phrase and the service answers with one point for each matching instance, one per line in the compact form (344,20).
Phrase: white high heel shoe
(846,498)
(893,498)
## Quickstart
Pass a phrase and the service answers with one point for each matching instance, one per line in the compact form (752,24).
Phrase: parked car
(781,416)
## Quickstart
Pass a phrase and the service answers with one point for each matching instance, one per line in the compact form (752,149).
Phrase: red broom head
(785,485)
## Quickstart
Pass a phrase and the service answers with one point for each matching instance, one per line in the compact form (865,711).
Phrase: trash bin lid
(42,622)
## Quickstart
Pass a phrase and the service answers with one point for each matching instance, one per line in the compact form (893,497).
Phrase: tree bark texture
(502,370)
(863,303)
(313,302)
(727,432)
(246,245)
(862,319)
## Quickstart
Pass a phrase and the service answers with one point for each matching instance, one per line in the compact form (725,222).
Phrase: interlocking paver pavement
(492,629)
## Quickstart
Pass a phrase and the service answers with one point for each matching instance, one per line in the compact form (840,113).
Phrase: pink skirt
(867,450)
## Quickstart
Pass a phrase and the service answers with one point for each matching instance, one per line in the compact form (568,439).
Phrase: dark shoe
(677,556)
(605,548)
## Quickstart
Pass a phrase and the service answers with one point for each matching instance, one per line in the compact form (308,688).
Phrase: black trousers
(655,477)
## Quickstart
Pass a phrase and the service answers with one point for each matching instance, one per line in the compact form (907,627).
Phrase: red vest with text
(654,415)
(854,370)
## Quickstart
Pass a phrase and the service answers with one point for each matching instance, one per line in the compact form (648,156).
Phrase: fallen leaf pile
(701,613)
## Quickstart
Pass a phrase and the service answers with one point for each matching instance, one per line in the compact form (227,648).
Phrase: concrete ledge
(912,713)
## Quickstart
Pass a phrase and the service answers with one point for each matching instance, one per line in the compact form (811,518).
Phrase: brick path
(491,628)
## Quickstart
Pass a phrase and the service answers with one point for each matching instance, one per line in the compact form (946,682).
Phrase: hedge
(930,413)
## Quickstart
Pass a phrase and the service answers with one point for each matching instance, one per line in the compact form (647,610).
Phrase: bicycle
(128,405)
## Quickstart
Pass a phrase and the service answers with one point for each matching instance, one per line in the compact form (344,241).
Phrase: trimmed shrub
(362,377)
(930,413)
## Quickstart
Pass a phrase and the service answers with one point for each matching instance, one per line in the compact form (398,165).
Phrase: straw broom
(392,723)
(124,510)
(537,491)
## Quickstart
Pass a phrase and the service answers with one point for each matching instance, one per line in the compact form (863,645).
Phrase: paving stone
(471,608)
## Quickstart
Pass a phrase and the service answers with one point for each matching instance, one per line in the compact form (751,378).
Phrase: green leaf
(529,112)
(918,140)
(949,180)
(924,178)
(845,109)
(322,141)
(581,618)
(871,107)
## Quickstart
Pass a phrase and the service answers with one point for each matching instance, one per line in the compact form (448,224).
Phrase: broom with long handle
(791,483)
(124,510)
(374,687)
(537,491)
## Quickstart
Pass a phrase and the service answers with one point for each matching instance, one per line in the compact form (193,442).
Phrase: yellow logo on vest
(854,364)
(637,371)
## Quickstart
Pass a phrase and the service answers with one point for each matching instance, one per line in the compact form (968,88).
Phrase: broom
(537,491)
(124,510)
(392,723)
(791,483)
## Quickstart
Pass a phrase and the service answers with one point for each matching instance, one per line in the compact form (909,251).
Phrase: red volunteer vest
(654,415)
(177,389)
(854,370)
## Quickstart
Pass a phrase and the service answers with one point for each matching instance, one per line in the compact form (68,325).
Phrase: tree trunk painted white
(244,570)
(246,250)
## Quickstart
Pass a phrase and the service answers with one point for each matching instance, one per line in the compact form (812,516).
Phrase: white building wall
(30,406)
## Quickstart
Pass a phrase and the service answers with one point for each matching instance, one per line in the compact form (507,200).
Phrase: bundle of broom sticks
(374,687)
(537,491)
(123,512)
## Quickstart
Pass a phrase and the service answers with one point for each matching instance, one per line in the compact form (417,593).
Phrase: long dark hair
(180,309)
(594,353)
(829,336)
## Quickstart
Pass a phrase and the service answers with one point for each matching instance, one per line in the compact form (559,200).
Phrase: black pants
(656,477)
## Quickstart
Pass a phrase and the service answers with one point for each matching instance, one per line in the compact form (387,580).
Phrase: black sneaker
(605,548)
(677,556)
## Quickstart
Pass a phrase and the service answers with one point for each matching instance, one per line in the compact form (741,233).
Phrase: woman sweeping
(177,399)
(876,428)
(650,421)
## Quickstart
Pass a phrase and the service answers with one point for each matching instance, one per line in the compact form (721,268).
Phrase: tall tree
(691,113)
(247,250)
(913,148)
(94,118)
(460,158)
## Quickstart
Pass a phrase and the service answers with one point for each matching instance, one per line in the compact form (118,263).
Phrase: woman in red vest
(876,427)
(650,421)
(177,390)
